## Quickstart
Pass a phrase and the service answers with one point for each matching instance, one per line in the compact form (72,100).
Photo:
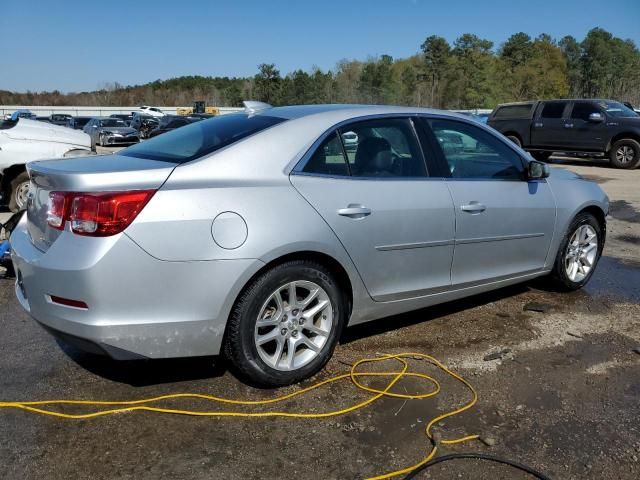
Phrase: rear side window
(514,111)
(553,109)
(329,158)
(197,139)
(383,148)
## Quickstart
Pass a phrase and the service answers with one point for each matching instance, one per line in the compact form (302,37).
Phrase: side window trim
(436,159)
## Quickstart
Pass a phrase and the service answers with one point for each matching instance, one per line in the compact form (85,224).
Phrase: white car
(153,111)
(23,140)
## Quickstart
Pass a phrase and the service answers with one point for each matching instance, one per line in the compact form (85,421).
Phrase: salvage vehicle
(259,236)
(144,124)
(151,111)
(78,123)
(59,119)
(23,140)
(598,127)
(107,131)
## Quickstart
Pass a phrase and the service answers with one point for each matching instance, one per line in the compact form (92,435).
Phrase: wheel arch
(622,136)
(599,215)
(333,265)
(8,175)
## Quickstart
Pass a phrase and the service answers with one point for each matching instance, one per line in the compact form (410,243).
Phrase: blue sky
(73,45)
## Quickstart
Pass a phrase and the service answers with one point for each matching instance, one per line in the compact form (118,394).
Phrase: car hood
(47,132)
(121,130)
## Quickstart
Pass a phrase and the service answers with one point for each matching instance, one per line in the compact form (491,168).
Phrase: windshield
(617,109)
(112,122)
(198,139)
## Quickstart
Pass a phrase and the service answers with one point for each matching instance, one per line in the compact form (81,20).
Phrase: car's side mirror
(537,170)
(596,117)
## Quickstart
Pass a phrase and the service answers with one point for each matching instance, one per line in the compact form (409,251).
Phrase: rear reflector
(68,302)
(96,214)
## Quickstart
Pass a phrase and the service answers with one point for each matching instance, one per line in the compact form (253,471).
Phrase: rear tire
(577,256)
(272,341)
(541,156)
(515,140)
(18,192)
(625,154)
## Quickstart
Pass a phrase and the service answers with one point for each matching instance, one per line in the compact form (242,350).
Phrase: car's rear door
(396,223)
(504,223)
(549,129)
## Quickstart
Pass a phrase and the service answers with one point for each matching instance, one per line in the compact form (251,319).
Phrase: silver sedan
(260,235)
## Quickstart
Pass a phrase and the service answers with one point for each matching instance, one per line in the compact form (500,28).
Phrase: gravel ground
(558,389)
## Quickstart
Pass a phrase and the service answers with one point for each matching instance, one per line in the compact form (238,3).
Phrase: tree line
(469,73)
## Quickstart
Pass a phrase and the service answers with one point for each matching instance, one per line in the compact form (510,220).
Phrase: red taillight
(96,214)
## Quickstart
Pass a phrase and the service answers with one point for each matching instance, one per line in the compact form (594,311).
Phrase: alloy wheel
(293,325)
(581,253)
(625,154)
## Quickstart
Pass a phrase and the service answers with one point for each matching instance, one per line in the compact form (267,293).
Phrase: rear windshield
(514,111)
(197,139)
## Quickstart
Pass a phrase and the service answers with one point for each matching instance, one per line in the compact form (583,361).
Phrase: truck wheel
(625,154)
(541,156)
(515,140)
(19,192)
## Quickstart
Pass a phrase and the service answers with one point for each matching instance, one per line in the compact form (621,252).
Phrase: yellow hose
(354,375)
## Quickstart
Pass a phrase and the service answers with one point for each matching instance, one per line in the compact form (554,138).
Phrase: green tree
(437,52)
(268,83)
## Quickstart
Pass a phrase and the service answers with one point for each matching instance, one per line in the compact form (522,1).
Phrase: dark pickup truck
(593,127)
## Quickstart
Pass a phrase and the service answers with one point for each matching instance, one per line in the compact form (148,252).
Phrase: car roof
(343,110)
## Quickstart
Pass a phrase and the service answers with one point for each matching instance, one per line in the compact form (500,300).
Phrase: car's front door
(582,133)
(396,223)
(548,129)
(504,223)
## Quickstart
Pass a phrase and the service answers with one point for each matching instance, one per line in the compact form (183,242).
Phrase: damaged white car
(22,141)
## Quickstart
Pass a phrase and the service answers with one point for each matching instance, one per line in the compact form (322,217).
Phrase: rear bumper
(138,306)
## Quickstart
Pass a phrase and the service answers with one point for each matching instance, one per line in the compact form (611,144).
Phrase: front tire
(625,154)
(285,325)
(19,192)
(579,253)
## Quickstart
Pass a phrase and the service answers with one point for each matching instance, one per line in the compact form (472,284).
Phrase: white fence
(92,111)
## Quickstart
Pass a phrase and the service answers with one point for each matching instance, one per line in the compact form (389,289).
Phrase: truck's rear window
(514,111)
(198,139)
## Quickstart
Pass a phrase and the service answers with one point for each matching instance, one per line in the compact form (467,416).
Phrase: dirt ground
(563,395)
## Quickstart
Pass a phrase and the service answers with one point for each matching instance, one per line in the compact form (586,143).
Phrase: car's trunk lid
(102,173)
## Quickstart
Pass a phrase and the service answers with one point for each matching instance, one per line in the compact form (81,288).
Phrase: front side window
(553,109)
(582,110)
(383,148)
(198,139)
(471,152)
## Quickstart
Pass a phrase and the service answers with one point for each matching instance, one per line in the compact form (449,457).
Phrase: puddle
(615,277)
(625,211)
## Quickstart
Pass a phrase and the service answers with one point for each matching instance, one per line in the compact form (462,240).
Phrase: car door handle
(568,125)
(473,207)
(354,211)
(538,124)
